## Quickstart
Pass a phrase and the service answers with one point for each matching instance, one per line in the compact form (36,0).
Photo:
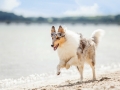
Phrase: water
(26,49)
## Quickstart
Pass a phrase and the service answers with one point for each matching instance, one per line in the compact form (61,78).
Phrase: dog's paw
(94,79)
(80,82)
(58,73)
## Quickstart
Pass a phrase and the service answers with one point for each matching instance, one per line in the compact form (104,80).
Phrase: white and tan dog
(67,44)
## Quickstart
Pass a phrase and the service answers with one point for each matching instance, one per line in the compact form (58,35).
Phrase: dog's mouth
(55,47)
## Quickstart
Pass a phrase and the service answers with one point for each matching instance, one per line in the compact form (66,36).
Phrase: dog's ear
(61,30)
(53,30)
(81,36)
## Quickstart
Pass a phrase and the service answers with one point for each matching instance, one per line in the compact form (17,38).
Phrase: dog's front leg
(79,63)
(59,66)
(58,69)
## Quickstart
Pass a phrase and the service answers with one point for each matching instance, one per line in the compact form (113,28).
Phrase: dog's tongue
(55,48)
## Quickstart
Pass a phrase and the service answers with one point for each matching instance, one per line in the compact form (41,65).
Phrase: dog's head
(57,38)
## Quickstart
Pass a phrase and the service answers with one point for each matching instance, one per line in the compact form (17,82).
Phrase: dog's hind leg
(80,69)
(92,65)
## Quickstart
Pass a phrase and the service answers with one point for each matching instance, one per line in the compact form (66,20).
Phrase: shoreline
(108,81)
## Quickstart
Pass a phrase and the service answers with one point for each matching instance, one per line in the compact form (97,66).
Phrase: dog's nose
(51,45)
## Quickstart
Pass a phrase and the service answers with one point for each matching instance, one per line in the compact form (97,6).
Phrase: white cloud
(84,11)
(8,5)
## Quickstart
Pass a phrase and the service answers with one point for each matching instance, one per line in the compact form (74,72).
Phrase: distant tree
(11,17)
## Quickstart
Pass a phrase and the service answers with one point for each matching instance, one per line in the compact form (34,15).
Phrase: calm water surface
(26,49)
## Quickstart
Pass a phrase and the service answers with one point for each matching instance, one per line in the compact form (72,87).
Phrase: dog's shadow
(78,83)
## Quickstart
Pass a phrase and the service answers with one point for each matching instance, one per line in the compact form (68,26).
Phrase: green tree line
(11,17)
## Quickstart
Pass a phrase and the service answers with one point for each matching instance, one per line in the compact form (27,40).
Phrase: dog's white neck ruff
(69,48)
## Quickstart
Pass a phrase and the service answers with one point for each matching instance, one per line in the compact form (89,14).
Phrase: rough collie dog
(74,50)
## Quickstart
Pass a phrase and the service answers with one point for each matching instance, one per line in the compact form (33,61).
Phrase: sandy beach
(110,81)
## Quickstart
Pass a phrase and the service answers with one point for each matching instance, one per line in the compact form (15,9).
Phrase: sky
(60,8)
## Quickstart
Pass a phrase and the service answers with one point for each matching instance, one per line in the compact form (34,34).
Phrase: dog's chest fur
(69,48)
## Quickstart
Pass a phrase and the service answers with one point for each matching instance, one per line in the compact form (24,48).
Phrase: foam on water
(37,80)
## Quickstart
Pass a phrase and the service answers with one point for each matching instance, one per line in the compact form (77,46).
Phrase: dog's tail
(97,35)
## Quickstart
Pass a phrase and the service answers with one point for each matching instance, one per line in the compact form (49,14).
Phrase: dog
(67,44)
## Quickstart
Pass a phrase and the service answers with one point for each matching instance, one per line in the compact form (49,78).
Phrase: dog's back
(87,47)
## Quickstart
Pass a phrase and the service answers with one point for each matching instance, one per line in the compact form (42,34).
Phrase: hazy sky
(58,8)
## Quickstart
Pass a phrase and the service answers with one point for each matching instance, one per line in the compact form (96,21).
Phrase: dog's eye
(51,35)
(60,34)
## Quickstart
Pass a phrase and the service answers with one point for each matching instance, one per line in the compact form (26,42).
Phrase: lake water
(26,49)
